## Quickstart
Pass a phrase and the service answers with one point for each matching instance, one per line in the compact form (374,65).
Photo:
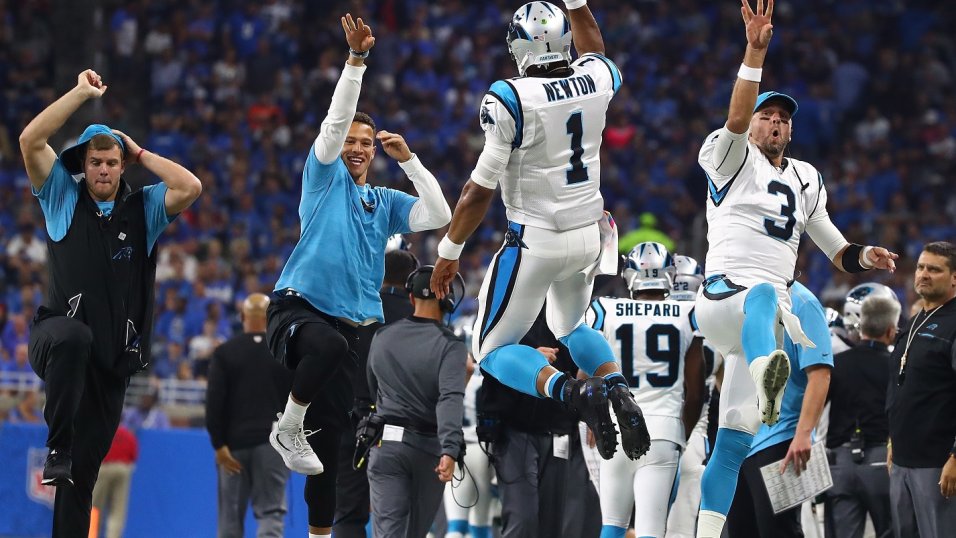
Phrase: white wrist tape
(865,258)
(448,249)
(751,74)
(574,4)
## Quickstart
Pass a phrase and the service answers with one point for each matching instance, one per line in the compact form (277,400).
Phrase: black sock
(557,388)
(614,379)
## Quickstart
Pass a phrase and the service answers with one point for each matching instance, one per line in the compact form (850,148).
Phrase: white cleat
(770,374)
(294,448)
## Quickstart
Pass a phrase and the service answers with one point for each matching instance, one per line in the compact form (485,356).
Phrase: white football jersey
(554,126)
(650,340)
(756,216)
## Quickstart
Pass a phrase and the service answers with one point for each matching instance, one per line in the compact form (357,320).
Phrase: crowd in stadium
(225,99)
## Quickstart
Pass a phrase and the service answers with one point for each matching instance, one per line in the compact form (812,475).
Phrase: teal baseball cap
(72,157)
(788,102)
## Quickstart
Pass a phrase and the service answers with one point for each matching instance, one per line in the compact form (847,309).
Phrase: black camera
(368,432)
(488,428)
(856,446)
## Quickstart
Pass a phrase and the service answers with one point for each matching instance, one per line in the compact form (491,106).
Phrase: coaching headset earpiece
(419,285)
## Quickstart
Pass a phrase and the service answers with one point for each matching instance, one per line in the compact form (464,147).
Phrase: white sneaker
(770,374)
(294,448)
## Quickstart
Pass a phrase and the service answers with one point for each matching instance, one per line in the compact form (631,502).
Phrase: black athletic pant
(751,515)
(83,409)
(318,348)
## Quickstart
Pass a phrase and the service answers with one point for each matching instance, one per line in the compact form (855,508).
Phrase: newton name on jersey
(554,126)
(558,90)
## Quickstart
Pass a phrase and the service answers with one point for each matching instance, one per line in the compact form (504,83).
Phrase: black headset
(418,284)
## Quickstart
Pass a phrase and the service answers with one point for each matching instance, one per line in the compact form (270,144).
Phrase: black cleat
(634,436)
(57,471)
(589,399)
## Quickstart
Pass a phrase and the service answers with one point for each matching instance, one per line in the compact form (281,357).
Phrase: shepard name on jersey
(651,349)
(666,309)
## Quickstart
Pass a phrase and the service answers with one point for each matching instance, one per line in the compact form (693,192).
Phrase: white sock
(319,535)
(293,416)
(710,524)
(454,535)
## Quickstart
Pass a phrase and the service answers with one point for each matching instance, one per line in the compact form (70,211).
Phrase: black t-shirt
(922,411)
(246,389)
(857,393)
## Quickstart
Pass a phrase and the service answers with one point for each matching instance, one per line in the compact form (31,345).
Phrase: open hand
(225,460)
(881,258)
(357,33)
(550,353)
(394,146)
(442,275)
(91,84)
(132,148)
(759,29)
(947,479)
(799,454)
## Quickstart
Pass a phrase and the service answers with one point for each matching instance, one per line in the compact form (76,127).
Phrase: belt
(421,428)
(336,322)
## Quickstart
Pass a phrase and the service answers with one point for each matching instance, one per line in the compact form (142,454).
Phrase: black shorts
(287,316)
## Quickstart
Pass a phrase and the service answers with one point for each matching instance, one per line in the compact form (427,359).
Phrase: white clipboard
(788,490)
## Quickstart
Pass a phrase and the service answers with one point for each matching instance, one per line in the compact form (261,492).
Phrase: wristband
(448,249)
(356,54)
(851,259)
(574,4)
(748,73)
(139,155)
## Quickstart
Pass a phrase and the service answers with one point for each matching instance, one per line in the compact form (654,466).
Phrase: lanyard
(909,340)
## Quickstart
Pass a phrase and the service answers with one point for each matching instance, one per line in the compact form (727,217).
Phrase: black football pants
(83,409)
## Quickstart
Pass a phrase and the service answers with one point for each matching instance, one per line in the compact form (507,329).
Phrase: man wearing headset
(416,370)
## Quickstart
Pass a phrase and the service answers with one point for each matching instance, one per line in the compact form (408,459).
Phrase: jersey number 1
(578,173)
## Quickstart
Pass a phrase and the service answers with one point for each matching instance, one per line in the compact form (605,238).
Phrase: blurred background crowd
(236,91)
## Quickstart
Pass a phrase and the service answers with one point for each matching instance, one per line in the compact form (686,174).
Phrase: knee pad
(745,419)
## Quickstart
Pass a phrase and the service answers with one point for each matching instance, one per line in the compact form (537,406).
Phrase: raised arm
(431,210)
(744,97)
(38,156)
(182,186)
(584,29)
(328,144)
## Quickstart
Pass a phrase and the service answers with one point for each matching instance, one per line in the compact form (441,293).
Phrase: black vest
(102,274)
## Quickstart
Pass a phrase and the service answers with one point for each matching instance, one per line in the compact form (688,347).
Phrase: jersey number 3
(578,173)
(787,210)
